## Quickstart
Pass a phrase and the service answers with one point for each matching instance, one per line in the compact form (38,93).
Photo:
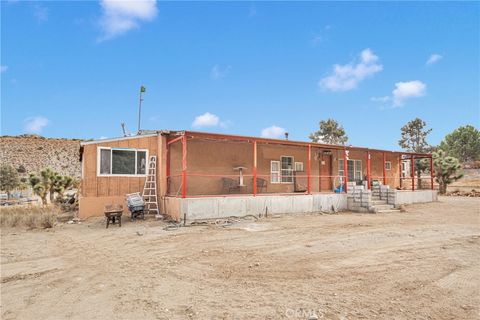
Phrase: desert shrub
(30,217)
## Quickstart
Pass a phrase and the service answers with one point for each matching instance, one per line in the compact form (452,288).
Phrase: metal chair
(261,184)
(229,184)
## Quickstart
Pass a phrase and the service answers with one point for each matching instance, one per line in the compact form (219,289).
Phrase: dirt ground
(421,264)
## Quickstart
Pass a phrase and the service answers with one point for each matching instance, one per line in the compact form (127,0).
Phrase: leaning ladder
(150,188)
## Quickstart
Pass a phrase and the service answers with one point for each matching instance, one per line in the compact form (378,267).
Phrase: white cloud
(3,68)
(434,58)
(35,124)
(347,77)
(41,13)
(219,72)
(380,99)
(120,16)
(407,90)
(206,120)
(273,132)
(102,138)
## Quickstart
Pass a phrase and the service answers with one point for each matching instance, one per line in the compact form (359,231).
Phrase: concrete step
(389,211)
(379,202)
(383,207)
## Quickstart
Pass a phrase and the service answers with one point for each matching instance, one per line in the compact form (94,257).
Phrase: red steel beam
(384,169)
(413,172)
(254,168)
(400,169)
(368,170)
(167,174)
(184,166)
(174,140)
(309,168)
(345,172)
(431,172)
(287,142)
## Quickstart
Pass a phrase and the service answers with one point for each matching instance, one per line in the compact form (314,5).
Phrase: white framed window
(298,166)
(388,165)
(354,169)
(121,162)
(275,171)
(286,163)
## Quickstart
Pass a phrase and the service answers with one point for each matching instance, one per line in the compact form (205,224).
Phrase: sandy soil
(422,264)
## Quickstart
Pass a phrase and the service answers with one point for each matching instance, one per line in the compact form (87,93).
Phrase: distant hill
(32,153)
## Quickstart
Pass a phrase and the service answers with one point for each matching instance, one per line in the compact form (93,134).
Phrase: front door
(326,172)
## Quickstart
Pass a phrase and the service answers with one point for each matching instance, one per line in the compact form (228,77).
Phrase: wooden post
(368,170)
(413,172)
(384,169)
(309,168)
(345,169)
(254,167)
(184,166)
(431,172)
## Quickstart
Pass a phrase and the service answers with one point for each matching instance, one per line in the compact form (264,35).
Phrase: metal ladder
(150,188)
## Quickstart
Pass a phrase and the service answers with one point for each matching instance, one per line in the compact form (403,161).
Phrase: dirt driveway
(422,264)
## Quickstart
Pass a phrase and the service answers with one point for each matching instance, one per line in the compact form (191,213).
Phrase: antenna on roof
(126,133)
(142,90)
(286,135)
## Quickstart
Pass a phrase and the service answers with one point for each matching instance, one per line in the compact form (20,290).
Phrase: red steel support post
(184,166)
(308,169)
(412,164)
(368,169)
(431,172)
(345,167)
(255,168)
(167,176)
(400,169)
(384,169)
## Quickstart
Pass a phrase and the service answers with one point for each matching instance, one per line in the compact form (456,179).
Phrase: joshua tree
(50,182)
(330,132)
(446,169)
(63,183)
(39,187)
(8,179)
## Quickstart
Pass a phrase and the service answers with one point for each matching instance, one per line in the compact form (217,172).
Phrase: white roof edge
(119,139)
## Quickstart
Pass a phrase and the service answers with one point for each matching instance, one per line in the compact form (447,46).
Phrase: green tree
(447,169)
(463,143)
(331,132)
(414,139)
(9,179)
(38,187)
(62,184)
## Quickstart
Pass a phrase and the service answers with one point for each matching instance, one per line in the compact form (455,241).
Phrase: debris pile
(457,193)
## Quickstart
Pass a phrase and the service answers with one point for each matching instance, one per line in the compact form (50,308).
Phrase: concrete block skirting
(240,206)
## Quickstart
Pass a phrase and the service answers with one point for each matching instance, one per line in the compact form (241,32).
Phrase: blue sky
(74,69)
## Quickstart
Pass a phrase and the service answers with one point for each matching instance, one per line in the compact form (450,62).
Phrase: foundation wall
(410,197)
(240,206)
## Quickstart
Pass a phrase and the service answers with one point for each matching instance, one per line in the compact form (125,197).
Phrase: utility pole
(142,90)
